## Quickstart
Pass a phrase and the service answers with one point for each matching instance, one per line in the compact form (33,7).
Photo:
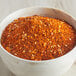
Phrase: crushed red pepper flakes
(38,38)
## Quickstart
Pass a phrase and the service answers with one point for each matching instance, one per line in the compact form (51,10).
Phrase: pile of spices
(38,38)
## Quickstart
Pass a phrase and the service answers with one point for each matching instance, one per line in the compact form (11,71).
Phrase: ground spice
(38,38)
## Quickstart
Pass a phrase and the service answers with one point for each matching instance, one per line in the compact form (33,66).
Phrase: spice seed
(69,38)
(54,52)
(32,56)
(25,34)
(29,50)
(45,44)
(66,45)
(15,54)
(58,45)
(24,51)
(35,42)
(52,33)
(35,34)
(51,51)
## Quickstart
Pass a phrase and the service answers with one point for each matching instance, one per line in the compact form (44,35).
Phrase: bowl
(53,67)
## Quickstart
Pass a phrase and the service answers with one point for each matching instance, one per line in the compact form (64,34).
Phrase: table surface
(9,6)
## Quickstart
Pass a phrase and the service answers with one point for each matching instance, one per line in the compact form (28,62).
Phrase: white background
(9,6)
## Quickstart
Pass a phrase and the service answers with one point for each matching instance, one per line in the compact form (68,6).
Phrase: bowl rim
(42,61)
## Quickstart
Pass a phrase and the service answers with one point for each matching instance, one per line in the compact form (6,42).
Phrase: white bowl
(21,67)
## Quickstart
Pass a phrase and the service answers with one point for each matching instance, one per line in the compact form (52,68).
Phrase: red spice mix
(38,38)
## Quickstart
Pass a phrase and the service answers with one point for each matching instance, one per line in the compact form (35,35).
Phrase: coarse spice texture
(38,38)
